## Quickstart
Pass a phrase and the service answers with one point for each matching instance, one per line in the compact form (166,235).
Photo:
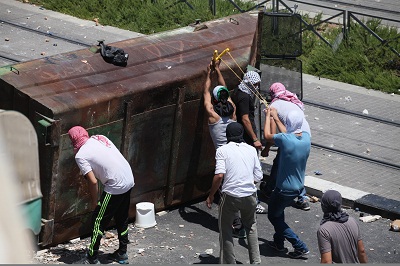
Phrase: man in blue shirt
(294,145)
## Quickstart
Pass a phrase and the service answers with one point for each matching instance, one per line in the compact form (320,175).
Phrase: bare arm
(278,122)
(93,188)
(362,256)
(217,180)
(326,257)
(249,130)
(268,135)
(213,117)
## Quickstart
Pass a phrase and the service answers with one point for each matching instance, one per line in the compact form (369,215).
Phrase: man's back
(241,166)
(294,152)
(107,163)
(284,107)
(340,239)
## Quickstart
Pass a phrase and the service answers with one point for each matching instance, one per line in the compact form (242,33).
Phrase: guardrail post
(212,6)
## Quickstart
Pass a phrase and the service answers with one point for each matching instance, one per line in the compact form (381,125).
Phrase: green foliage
(360,60)
(143,16)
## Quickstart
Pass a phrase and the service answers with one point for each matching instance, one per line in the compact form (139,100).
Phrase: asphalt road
(189,235)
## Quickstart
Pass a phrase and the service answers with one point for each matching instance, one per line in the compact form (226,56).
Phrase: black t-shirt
(244,105)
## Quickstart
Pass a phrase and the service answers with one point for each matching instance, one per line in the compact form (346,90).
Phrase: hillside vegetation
(360,59)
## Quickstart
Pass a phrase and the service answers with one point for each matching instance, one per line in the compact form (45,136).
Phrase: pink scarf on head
(278,91)
(78,136)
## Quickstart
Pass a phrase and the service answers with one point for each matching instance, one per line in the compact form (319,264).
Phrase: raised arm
(268,135)
(213,117)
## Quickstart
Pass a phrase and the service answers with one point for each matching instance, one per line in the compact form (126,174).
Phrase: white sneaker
(260,209)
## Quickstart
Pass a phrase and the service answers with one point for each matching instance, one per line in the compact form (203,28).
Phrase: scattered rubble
(395,225)
(370,218)
(314,199)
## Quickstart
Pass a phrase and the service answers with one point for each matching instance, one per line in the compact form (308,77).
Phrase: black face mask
(224,109)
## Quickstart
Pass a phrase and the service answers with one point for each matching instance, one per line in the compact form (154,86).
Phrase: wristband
(254,140)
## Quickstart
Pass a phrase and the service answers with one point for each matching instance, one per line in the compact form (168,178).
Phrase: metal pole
(212,6)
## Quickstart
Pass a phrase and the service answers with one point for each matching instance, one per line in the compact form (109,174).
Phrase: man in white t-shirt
(238,169)
(99,159)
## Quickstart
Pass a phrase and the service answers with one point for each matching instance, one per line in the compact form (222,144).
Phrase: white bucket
(145,216)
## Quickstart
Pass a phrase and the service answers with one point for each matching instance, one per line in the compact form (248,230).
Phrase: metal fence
(346,16)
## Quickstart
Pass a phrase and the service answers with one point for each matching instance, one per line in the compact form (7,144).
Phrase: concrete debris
(75,240)
(314,199)
(109,235)
(348,99)
(395,225)
(209,251)
(161,213)
(316,118)
(365,112)
(181,226)
(370,218)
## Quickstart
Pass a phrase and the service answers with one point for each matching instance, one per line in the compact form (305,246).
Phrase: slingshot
(217,57)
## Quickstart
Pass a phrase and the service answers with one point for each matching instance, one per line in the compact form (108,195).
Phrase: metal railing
(346,16)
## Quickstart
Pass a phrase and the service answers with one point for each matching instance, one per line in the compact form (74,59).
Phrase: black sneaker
(118,257)
(302,205)
(90,260)
(273,245)
(239,233)
(299,253)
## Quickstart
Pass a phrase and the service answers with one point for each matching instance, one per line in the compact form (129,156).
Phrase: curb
(353,198)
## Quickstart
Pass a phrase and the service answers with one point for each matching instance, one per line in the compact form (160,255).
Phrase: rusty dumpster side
(151,109)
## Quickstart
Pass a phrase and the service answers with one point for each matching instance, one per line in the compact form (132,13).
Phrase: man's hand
(257,144)
(274,113)
(209,201)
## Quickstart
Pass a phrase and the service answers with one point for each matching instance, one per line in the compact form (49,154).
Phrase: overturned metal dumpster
(151,109)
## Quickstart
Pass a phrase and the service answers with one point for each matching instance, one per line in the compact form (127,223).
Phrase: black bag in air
(113,55)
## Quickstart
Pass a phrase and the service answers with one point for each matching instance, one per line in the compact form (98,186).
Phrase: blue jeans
(276,215)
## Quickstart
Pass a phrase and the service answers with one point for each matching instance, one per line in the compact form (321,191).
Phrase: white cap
(218,89)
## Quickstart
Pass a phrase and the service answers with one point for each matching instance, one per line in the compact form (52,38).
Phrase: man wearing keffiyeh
(99,159)
(339,238)
(244,100)
(284,102)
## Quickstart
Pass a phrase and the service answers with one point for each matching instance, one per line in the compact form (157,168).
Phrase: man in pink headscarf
(99,159)
(284,102)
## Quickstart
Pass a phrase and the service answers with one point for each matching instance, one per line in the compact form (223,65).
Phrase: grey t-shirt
(340,239)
